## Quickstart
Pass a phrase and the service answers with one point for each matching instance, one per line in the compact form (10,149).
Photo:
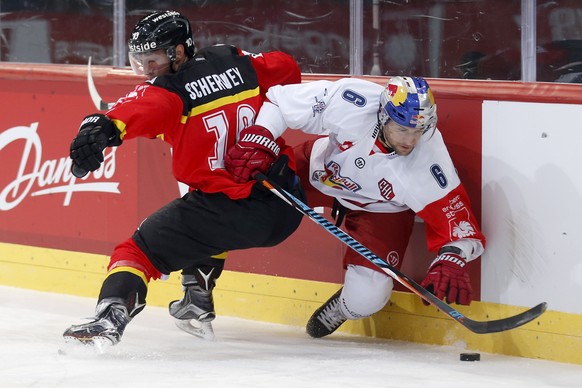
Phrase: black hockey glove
(95,134)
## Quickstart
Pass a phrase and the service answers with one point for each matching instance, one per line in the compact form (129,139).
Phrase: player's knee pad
(365,292)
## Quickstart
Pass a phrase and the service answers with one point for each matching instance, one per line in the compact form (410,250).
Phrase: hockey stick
(95,97)
(99,104)
(479,327)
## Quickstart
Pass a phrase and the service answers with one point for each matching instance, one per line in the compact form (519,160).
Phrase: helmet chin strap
(171,53)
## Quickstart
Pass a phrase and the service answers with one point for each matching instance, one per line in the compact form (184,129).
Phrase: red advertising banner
(41,203)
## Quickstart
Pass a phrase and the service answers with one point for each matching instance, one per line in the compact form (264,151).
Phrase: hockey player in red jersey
(382,160)
(201,103)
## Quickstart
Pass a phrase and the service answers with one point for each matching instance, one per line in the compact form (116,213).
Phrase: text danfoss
(35,177)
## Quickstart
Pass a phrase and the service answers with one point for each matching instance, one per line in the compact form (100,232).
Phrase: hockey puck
(470,357)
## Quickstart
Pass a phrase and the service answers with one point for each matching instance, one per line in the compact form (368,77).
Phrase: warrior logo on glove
(261,140)
(448,278)
(255,152)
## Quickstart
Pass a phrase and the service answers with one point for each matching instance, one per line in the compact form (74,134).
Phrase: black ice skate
(326,319)
(107,328)
(196,303)
(194,312)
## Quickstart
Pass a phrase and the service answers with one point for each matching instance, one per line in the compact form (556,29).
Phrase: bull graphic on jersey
(459,224)
(333,178)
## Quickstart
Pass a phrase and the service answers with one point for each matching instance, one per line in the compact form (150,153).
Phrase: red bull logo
(334,179)
(398,94)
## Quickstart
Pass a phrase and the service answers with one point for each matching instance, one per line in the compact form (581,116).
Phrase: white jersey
(352,165)
(349,164)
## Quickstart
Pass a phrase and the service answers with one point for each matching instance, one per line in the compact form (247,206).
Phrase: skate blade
(84,346)
(202,330)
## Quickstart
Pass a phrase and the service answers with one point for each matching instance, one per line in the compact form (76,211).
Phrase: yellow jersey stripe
(223,101)
(121,126)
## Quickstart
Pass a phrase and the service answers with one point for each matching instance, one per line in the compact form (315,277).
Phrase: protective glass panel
(479,39)
(468,39)
(316,33)
(559,41)
(56,31)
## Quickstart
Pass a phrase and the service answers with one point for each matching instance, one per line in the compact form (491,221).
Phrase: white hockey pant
(365,292)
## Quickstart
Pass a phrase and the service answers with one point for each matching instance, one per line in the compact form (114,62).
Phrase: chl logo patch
(386,190)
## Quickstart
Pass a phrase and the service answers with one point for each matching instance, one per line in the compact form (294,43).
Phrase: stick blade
(95,97)
(508,323)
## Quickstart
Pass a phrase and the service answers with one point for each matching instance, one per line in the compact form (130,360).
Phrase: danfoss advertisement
(41,203)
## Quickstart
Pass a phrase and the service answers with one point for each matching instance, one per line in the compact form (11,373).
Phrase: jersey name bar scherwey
(214,83)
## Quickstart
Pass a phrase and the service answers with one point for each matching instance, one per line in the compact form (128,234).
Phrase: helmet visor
(150,63)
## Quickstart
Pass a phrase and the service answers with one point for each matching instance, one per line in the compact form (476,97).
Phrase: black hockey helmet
(162,30)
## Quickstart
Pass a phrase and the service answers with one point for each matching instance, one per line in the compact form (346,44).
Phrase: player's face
(400,138)
(151,63)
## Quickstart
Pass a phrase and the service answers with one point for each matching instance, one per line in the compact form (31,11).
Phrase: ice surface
(154,353)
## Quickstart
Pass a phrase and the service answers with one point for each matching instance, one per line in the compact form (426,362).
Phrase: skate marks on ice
(154,352)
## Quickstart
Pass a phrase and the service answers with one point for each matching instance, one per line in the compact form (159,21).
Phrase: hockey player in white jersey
(383,159)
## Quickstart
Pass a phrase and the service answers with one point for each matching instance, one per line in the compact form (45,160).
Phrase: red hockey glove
(255,152)
(448,276)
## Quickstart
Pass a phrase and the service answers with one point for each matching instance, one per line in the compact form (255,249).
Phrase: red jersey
(201,109)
